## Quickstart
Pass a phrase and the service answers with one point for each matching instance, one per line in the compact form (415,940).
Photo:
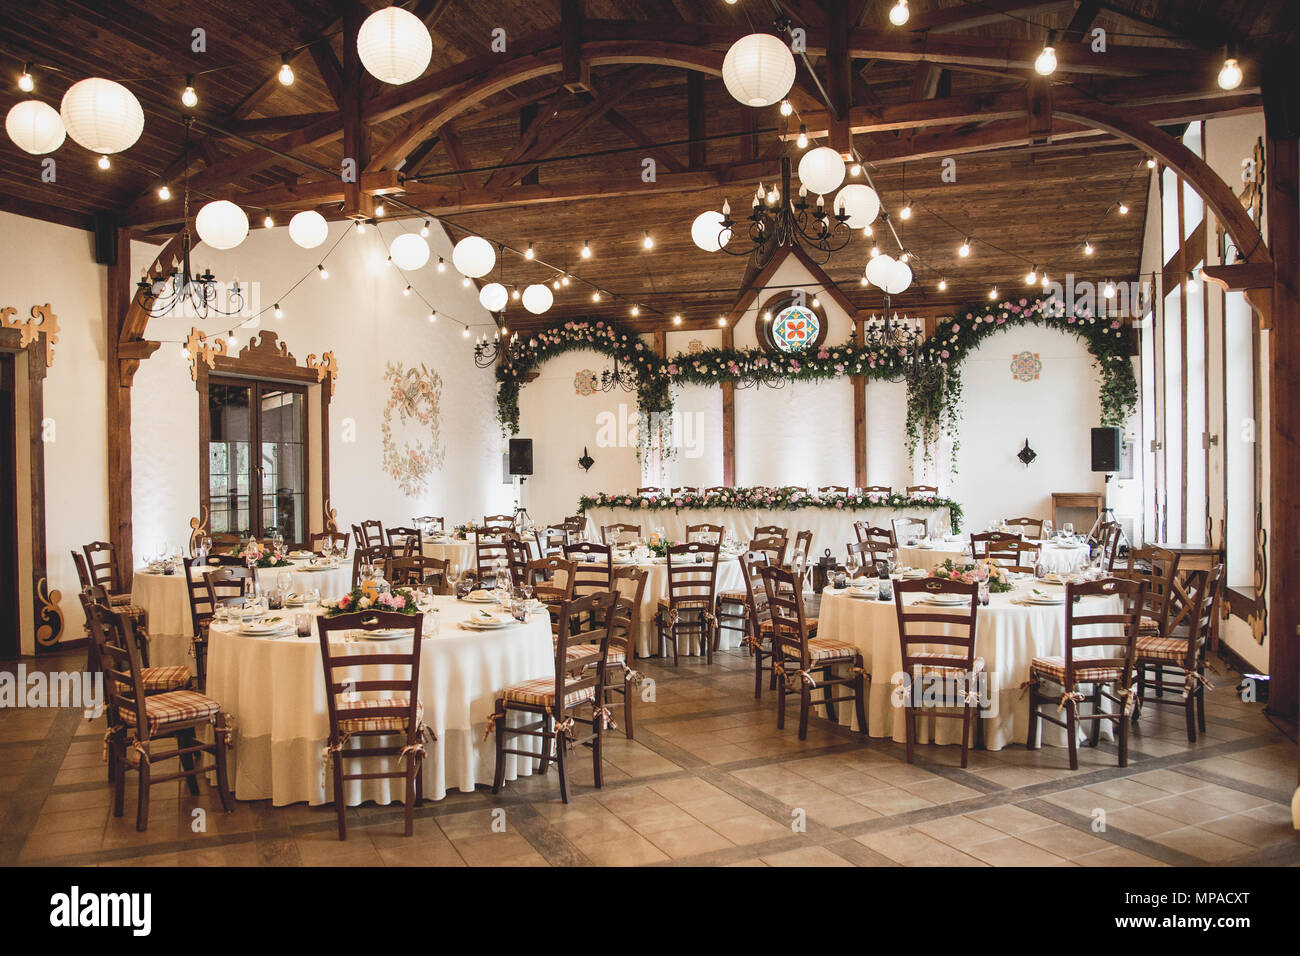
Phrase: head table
(1056,557)
(167,601)
(275,688)
(1008,635)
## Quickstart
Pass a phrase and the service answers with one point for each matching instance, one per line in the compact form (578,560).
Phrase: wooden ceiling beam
(969,15)
(634,133)
(451,141)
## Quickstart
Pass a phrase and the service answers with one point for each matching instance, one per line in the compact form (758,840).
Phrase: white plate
(263,630)
(1045,599)
(473,600)
(914,575)
(384,634)
(863,594)
(954,600)
(473,625)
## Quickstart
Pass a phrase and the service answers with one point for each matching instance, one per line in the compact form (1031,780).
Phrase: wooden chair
(368,709)
(773,545)
(714,489)
(867,553)
(709,533)
(984,542)
(650,492)
(1069,673)
(520,555)
(1109,535)
(369,534)
(489,554)
(1026,527)
(227,542)
(625,626)
(614,533)
(1183,651)
(430,521)
(121,602)
(593,566)
(908,527)
(495,524)
(771,531)
(1019,555)
(553,572)
(322,541)
(955,664)
(865,529)
(405,541)
(922,490)
(878,490)
(758,620)
(139,721)
(689,605)
(802,545)
(833,490)
(201,611)
(228,584)
(798,657)
(1158,567)
(878,542)
(419,571)
(376,554)
(550,541)
(555,700)
(101,562)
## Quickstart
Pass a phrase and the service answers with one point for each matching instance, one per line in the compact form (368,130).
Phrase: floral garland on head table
(759,497)
(934,395)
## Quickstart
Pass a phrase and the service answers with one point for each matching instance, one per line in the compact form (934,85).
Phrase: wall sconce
(1027,454)
(586,461)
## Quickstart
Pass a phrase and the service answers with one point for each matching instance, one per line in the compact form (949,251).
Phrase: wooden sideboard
(1065,502)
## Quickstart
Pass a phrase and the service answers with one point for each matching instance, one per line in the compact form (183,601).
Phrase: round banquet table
(275,688)
(452,550)
(165,598)
(1056,558)
(1008,635)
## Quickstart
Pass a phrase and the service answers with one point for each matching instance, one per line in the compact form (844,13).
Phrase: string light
(802,141)
(943,284)
(862,281)
(27,84)
(514,293)
(722,320)
(906,211)
(1123,208)
(899,13)
(324,273)
(433,315)
(406,291)
(866,232)
(1109,291)
(556,285)
(442,264)
(279,312)
(1045,282)
(993,293)
(964,249)
(379,209)
(164,193)
(1151,162)
(465,333)
(875,250)
(286,71)
(528,253)
(855,169)
(564,281)
(677,320)
(1230,74)
(268,222)
(786,108)
(647,242)
(103,162)
(636,310)
(361,227)
(1045,65)
(1032,276)
(1088,247)
(189,98)
(424,230)
(586,250)
(465,282)
(595,297)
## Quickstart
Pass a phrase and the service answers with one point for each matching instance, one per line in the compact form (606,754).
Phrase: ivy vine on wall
(933,387)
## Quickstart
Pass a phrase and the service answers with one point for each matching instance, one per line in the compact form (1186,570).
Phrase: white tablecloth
(831,528)
(165,598)
(1055,558)
(458,553)
(1008,636)
(276,690)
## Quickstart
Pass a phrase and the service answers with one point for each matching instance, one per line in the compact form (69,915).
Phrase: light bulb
(1109,291)
(899,13)
(1045,65)
(164,193)
(648,242)
(1123,208)
(906,211)
(465,334)
(424,230)
(636,310)
(964,249)
(324,273)
(677,320)
(875,250)
(433,316)
(943,285)
(361,228)
(767,316)
(866,232)
(556,285)
(528,253)
(103,162)
(564,281)
(286,71)
(189,98)
(232,341)
(379,209)
(1230,74)
(722,320)
(586,250)
(786,108)
(1151,162)
(465,282)
(442,265)
(1031,276)
(1088,248)
(855,169)
(816,302)
(1045,282)
(993,293)
(802,141)
(862,281)
(25,81)
(595,297)
(268,222)
(279,312)
(514,293)
(406,291)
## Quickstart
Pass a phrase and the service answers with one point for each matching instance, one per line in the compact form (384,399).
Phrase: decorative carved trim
(49,618)
(267,348)
(331,517)
(43,320)
(327,367)
(198,527)
(199,348)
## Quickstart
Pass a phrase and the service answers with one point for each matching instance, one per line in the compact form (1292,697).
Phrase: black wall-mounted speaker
(105,246)
(521,456)
(1106,449)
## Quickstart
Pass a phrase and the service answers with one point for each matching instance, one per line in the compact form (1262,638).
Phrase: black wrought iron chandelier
(487,351)
(894,336)
(181,289)
(620,376)
(777,219)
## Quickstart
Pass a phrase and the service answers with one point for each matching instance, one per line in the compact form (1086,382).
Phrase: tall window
(1239,438)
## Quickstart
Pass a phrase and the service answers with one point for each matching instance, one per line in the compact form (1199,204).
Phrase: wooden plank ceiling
(1025,202)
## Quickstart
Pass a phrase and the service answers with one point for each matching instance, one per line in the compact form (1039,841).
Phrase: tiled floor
(710,781)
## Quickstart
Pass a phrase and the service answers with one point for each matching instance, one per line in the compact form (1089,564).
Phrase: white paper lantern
(758,70)
(821,170)
(899,277)
(493,296)
(878,269)
(474,256)
(409,252)
(537,299)
(707,231)
(394,45)
(35,127)
(103,116)
(860,202)
(221,224)
(308,229)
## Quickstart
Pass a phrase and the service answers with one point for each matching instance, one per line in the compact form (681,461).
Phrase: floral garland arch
(934,395)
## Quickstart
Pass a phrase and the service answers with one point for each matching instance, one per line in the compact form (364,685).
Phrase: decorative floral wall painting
(1026,366)
(412,444)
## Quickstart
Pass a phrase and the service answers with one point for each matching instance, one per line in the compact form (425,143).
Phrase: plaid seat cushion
(578,653)
(1171,649)
(1053,669)
(733,597)
(176,707)
(119,600)
(944,670)
(701,603)
(1148,627)
(540,692)
(615,657)
(355,725)
(766,627)
(160,679)
(827,648)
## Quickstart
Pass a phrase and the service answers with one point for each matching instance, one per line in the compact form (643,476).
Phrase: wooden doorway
(9,605)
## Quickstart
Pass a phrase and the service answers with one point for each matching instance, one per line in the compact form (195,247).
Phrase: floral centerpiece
(368,597)
(658,544)
(975,572)
(463,531)
(256,555)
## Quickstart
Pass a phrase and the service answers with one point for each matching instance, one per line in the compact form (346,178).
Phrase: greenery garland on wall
(934,390)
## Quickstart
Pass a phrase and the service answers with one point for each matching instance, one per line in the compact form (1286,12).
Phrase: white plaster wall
(42,262)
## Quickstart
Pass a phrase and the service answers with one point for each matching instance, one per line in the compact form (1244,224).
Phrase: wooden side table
(1195,557)
(1092,501)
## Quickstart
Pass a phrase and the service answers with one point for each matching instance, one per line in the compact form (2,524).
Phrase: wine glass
(284,581)
(1067,529)
(893,560)
(852,565)
(1047,529)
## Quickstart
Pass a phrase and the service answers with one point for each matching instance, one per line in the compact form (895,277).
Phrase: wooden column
(859,416)
(356,136)
(119,373)
(1282,182)
(728,420)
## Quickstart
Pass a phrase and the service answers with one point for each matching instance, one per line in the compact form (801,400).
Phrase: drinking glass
(1067,529)
(1047,530)
(893,560)
(1040,568)
(284,581)
(984,592)
(303,621)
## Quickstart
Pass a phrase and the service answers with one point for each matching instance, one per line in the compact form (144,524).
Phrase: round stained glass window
(794,328)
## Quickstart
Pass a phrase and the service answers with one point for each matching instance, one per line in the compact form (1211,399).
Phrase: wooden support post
(575,72)
(356,136)
(527,117)
(1282,185)
(859,416)
(728,420)
(697,153)
(839,72)
(120,372)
